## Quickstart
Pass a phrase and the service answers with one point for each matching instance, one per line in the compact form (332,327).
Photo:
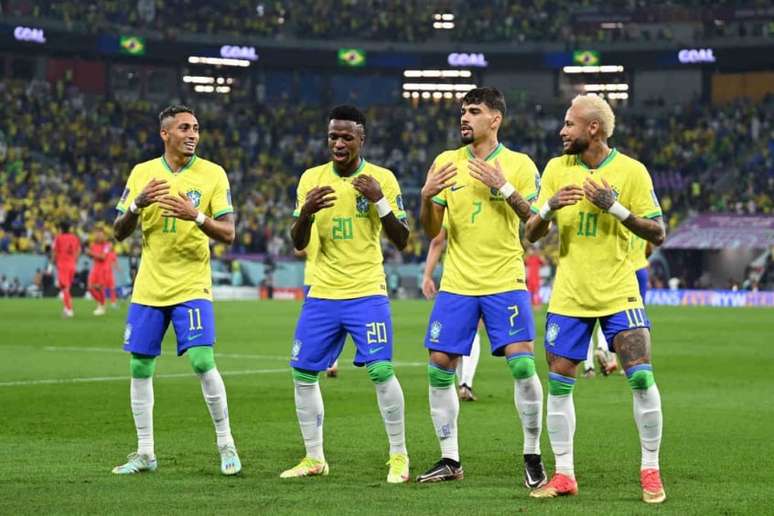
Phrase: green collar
(358,170)
(491,155)
(183,169)
(612,154)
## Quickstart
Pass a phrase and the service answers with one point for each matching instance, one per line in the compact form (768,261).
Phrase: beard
(467,139)
(577,146)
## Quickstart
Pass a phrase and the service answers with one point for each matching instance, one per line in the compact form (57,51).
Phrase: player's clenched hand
(438,180)
(180,207)
(566,196)
(601,196)
(491,176)
(153,191)
(318,198)
(368,187)
(428,288)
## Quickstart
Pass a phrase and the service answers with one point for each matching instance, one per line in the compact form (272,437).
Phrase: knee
(640,377)
(303,376)
(522,365)
(142,366)
(380,372)
(439,377)
(202,359)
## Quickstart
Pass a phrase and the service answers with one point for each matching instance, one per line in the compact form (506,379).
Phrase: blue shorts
(306,291)
(194,323)
(507,317)
(569,336)
(323,326)
(642,280)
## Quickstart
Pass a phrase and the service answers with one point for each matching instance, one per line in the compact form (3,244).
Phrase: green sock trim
(440,378)
(522,367)
(557,388)
(641,380)
(380,372)
(142,366)
(202,358)
(305,376)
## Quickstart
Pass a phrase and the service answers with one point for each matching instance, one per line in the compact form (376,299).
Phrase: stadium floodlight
(593,69)
(198,79)
(612,25)
(218,61)
(223,89)
(443,25)
(437,73)
(421,86)
(618,95)
(606,87)
(425,94)
(406,95)
(200,88)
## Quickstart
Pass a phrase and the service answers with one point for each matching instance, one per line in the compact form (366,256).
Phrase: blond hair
(597,108)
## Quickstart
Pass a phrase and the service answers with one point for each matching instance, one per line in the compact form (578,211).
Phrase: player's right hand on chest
(566,196)
(439,179)
(318,198)
(153,191)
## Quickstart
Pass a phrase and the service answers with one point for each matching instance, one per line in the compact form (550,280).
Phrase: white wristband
(134,208)
(618,211)
(383,207)
(200,218)
(546,213)
(507,190)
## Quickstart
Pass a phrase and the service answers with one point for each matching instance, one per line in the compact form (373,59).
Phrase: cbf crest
(127,333)
(435,331)
(295,350)
(195,196)
(552,332)
(362,205)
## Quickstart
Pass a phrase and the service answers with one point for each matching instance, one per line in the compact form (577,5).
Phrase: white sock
(214,392)
(528,396)
(561,429)
(310,412)
(467,368)
(444,408)
(389,395)
(141,394)
(647,415)
(601,340)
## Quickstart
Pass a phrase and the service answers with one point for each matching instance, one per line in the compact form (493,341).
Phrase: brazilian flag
(586,57)
(132,45)
(352,57)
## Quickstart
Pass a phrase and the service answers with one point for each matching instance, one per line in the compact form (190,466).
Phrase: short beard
(577,146)
(467,139)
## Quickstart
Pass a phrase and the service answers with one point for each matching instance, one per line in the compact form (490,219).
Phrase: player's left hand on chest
(368,187)
(491,176)
(602,196)
(179,206)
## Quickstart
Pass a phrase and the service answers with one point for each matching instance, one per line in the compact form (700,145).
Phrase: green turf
(58,441)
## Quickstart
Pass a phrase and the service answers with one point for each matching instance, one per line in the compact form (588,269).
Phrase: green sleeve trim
(653,214)
(534,209)
(222,212)
(296,213)
(121,210)
(438,200)
(531,197)
(401,215)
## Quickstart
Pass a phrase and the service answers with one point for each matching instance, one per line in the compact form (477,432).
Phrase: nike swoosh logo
(375,350)
(514,332)
(192,337)
(459,187)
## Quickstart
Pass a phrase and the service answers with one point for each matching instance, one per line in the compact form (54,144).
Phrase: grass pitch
(66,422)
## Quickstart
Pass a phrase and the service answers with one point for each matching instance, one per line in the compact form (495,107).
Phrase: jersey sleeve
(644,202)
(301,191)
(130,192)
(391,191)
(528,180)
(546,188)
(221,198)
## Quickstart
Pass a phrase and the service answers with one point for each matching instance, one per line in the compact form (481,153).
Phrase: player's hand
(600,196)
(428,288)
(318,198)
(153,192)
(368,187)
(491,176)
(180,207)
(566,196)
(438,180)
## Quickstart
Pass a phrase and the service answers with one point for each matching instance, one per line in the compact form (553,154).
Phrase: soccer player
(110,277)
(533,262)
(596,196)
(99,251)
(65,252)
(483,190)
(467,365)
(350,201)
(180,201)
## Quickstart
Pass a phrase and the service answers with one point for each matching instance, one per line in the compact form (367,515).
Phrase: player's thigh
(145,329)
(369,321)
(318,338)
(567,336)
(65,276)
(95,277)
(636,348)
(194,323)
(453,323)
(508,319)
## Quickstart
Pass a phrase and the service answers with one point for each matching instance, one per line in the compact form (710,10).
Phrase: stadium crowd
(408,21)
(64,155)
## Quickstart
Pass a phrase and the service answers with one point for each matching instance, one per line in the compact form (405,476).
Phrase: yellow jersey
(349,262)
(175,265)
(312,249)
(637,247)
(484,253)
(595,276)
